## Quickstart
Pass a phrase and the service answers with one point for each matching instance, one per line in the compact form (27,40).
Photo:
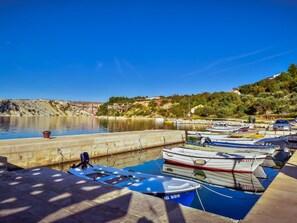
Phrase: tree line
(275,96)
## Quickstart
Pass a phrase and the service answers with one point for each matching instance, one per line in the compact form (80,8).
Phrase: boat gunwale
(256,156)
(192,184)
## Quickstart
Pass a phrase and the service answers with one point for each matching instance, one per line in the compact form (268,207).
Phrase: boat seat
(97,175)
(117,180)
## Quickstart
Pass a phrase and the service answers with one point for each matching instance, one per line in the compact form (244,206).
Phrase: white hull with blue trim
(168,188)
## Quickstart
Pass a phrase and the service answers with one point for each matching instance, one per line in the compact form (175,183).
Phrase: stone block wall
(26,153)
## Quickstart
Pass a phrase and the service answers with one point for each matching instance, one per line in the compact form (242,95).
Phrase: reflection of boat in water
(238,181)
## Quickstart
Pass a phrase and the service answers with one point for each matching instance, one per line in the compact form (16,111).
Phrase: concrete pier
(46,195)
(27,153)
(279,202)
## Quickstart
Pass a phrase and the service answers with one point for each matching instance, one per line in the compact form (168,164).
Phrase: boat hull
(215,148)
(168,188)
(213,160)
(185,198)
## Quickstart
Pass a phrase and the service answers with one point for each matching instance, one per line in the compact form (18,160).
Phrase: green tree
(102,110)
(153,105)
(205,111)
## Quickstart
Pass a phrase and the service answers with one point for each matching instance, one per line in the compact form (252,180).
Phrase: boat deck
(279,201)
(47,195)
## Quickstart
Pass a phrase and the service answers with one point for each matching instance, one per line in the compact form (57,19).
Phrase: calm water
(27,127)
(223,201)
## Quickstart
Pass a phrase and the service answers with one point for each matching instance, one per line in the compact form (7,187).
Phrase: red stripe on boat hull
(209,168)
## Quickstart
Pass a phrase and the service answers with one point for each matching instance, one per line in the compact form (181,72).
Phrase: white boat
(282,142)
(225,149)
(168,188)
(238,181)
(199,135)
(215,137)
(268,149)
(223,127)
(236,162)
(234,140)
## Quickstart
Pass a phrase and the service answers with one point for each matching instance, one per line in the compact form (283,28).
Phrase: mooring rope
(212,190)
(200,199)
(158,165)
(216,192)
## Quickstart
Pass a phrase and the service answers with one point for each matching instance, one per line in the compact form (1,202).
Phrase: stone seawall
(27,153)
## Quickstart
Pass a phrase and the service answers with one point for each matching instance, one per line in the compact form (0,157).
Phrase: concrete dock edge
(279,201)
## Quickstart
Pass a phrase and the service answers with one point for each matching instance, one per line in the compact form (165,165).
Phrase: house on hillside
(154,98)
(235,90)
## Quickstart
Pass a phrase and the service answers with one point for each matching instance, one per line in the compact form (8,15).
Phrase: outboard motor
(84,157)
(207,140)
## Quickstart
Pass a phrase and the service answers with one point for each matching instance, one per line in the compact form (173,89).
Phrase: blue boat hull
(185,198)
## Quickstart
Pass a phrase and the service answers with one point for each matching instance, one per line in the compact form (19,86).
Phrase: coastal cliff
(43,107)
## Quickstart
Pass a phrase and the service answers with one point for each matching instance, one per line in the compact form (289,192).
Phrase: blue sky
(92,50)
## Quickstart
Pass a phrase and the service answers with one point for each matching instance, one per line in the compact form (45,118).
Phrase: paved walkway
(46,195)
(279,202)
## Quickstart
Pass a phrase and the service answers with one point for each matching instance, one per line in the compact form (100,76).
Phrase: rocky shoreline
(42,107)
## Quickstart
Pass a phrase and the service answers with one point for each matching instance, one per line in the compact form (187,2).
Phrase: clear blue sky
(92,50)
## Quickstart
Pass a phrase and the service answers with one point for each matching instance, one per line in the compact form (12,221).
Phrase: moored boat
(168,188)
(220,137)
(236,162)
(232,140)
(268,149)
(231,149)
(223,127)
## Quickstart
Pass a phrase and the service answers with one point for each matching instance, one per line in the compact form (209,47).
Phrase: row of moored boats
(215,158)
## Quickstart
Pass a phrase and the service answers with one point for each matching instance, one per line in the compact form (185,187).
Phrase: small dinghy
(233,147)
(224,127)
(231,162)
(168,188)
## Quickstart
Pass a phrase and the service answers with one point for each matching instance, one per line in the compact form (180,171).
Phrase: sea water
(29,127)
(213,198)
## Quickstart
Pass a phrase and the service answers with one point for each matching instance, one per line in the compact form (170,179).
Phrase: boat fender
(200,162)
(200,177)
(202,140)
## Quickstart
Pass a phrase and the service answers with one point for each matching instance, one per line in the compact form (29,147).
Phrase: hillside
(275,96)
(271,97)
(45,108)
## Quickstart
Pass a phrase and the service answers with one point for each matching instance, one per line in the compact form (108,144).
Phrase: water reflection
(26,127)
(238,181)
(215,198)
(121,160)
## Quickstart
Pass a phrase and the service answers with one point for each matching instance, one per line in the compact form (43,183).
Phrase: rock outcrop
(43,107)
